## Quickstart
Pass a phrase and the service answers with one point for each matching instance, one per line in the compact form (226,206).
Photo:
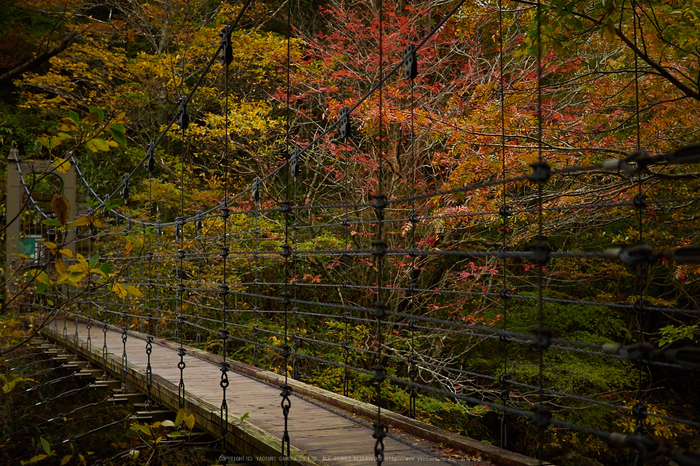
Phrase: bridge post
(12,210)
(14,196)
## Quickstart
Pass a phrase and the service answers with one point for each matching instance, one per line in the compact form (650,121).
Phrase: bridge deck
(318,435)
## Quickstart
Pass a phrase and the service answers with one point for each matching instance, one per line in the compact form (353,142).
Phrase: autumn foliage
(451,150)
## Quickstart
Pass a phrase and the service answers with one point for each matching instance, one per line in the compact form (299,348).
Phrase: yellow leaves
(188,419)
(132,290)
(63,274)
(68,125)
(131,242)
(80,222)
(124,290)
(53,247)
(119,290)
(98,144)
(87,220)
(80,270)
(128,247)
(62,165)
(40,276)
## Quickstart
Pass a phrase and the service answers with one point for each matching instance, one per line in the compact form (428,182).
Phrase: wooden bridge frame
(245,438)
(15,194)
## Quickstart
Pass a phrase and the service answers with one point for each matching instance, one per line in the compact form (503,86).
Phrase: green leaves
(74,117)
(45,445)
(9,385)
(91,132)
(117,132)
(51,222)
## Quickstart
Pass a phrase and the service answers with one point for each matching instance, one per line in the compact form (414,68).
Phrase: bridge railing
(401,291)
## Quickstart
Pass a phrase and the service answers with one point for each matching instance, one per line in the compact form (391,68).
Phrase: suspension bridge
(242,311)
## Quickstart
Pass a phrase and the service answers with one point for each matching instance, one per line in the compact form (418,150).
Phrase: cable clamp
(125,189)
(344,123)
(183,118)
(410,64)
(633,255)
(505,293)
(285,351)
(639,411)
(684,458)
(414,218)
(504,211)
(379,201)
(642,158)
(226,56)
(198,221)
(687,356)
(633,352)
(541,416)
(379,434)
(286,402)
(379,375)
(225,212)
(151,156)
(286,300)
(689,255)
(179,223)
(505,387)
(540,252)
(224,376)
(542,338)
(379,310)
(689,154)
(640,201)
(294,165)
(379,248)
(255,190)
(541,172)
(286,207)
(638,442)
(223,289)
(286,251)
(640,305)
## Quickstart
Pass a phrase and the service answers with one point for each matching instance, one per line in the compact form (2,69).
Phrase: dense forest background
(613,77)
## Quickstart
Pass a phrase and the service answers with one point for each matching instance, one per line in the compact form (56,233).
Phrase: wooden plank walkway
(318,436)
